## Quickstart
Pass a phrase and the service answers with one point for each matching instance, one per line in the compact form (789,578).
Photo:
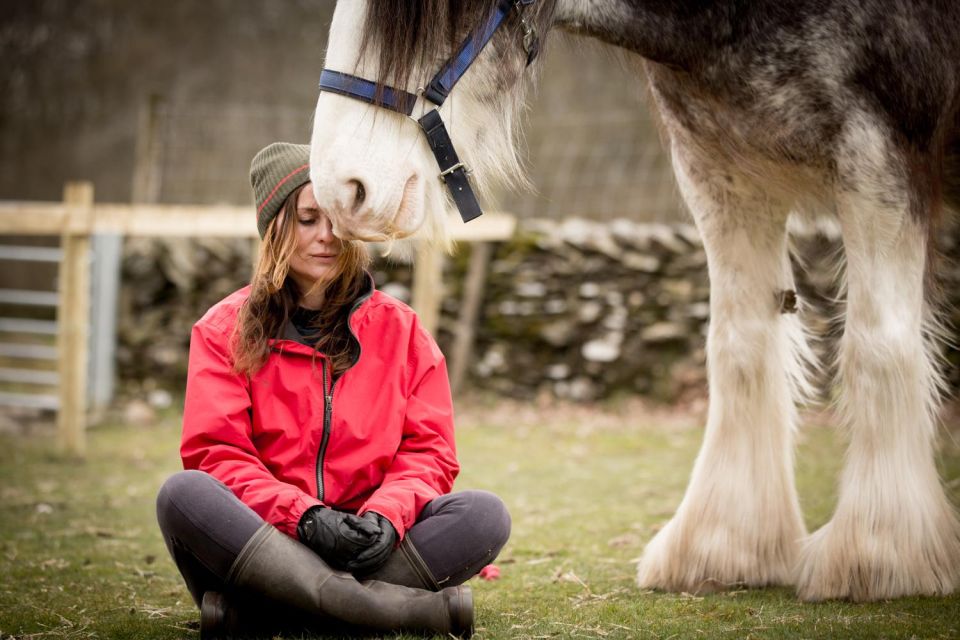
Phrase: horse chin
(405,223)
(387,233)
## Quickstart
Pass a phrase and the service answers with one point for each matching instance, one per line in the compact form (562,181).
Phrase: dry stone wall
(583,310)
(576,309)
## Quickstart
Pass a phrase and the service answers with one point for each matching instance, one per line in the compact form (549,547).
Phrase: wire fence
(205,149)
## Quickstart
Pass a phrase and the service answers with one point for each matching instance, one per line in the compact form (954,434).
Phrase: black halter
(452,171)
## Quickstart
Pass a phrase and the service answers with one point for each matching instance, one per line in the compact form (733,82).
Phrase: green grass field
(81,556)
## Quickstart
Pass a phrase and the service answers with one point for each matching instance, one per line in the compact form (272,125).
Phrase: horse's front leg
(739,522)
(894,533)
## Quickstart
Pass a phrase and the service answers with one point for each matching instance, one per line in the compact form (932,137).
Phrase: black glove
(335,536)
(373,557)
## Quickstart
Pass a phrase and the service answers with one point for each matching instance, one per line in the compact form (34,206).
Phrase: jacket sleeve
(425,464)
(218,434)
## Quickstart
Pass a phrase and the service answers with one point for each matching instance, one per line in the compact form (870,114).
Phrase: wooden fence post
(469,311)
(73,317)
(428,286)
(147,166)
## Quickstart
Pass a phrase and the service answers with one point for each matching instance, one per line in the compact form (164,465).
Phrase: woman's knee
(184,483)
(462,532)
(487,516)
(178,491)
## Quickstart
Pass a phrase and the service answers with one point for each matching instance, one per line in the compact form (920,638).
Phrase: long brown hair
(274,296)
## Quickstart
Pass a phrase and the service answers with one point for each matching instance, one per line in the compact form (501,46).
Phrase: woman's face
(317,248)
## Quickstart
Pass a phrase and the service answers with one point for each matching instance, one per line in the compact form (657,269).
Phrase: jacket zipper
(327,418)
(328,398)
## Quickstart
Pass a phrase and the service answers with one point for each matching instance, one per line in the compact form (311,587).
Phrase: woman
(318,445)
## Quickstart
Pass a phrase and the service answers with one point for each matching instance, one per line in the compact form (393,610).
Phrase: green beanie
(277,171)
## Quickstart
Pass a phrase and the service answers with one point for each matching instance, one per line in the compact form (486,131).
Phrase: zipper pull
(328,394)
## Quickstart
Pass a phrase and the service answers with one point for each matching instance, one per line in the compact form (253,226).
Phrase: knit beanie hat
(277,171)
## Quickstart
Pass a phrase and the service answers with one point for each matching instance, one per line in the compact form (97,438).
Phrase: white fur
(389,154)
(740,521)
(894,533)
(355,142)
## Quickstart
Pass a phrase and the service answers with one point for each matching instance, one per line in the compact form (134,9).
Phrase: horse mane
(406,34)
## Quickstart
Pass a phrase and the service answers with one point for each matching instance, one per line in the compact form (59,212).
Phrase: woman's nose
(325,230)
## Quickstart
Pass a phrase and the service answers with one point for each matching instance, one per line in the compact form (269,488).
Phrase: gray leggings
(205,526)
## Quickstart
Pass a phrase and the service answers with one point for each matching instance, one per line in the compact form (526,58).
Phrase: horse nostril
(360,194)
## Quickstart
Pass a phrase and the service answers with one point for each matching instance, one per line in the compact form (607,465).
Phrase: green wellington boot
(406,567)
(292,576)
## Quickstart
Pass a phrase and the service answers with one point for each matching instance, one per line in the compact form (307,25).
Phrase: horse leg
(894,533)
(739,521)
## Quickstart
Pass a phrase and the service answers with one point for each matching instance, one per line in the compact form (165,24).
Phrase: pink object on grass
(490,572)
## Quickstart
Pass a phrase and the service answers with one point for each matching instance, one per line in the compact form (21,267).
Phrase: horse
(775,114)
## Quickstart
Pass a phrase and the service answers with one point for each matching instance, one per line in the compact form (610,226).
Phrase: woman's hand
(338,537)
(373,557)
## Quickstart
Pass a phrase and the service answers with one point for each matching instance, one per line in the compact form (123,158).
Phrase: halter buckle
(459,165)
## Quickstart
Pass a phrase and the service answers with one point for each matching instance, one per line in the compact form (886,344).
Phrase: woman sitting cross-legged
(319,446)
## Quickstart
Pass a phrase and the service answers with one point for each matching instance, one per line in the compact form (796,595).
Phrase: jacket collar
(292,340)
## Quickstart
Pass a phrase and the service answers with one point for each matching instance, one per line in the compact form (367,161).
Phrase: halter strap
(442,83)
(452,171)
(353,87)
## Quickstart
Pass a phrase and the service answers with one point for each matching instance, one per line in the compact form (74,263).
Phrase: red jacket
(383,442)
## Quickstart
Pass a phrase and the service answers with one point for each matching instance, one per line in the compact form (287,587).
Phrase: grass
(81,556)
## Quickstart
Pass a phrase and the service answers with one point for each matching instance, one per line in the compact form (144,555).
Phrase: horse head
(372,168)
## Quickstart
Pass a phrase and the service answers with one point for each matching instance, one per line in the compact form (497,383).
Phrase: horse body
(847,110)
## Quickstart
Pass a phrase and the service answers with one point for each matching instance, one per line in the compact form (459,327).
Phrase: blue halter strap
(452,171)
(353,87)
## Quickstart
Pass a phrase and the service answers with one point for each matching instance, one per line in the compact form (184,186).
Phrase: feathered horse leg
(894,533)
(740,521)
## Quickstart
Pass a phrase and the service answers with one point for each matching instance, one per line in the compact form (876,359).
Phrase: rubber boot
(217,618)
(230,616)
(224,617)
(406,567)
(287,573)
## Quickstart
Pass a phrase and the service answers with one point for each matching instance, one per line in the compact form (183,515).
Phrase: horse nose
(357,194)
(349,195)
(343,197)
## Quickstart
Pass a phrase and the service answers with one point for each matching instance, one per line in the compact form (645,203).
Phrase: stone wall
(578,309)
(583,310)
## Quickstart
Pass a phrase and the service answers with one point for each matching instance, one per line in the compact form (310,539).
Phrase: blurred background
(600,291)
(77,76)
